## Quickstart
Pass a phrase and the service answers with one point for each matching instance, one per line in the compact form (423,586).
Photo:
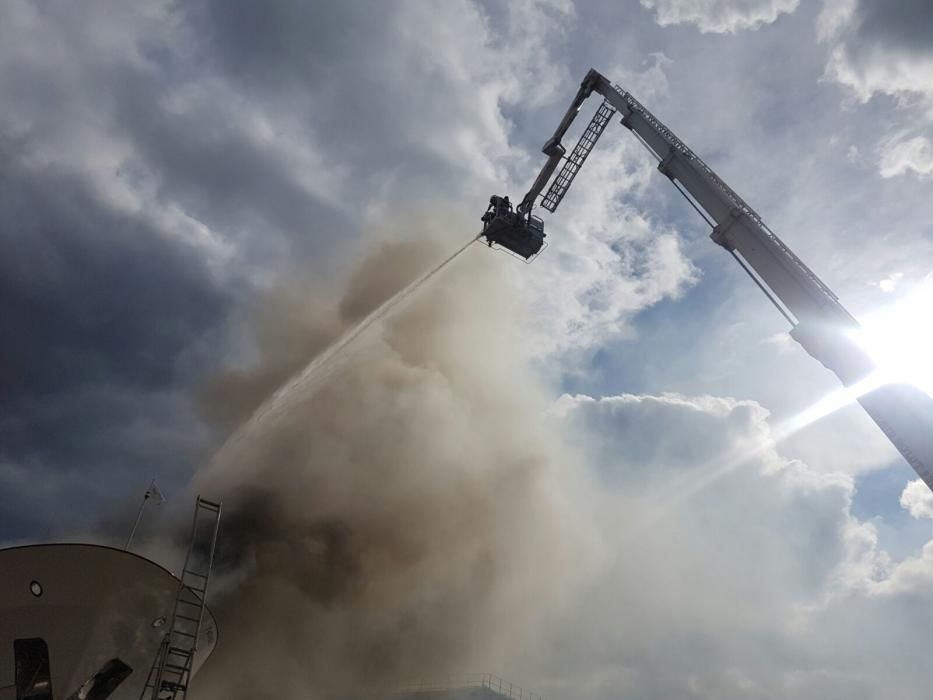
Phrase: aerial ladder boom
(819,321)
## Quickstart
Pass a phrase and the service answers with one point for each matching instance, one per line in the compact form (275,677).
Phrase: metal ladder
(579,153)
(171,670)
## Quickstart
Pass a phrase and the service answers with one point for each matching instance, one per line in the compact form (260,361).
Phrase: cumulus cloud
(720,16)
(917,499)
(728,571)
(607,271)
(903,156)
(890,283)
(610,259)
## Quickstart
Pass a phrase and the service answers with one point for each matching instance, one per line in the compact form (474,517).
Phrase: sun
(899,338)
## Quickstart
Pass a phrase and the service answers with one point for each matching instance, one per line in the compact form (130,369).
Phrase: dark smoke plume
(401,519)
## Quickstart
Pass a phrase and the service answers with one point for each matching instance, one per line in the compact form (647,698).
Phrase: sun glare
(900,339)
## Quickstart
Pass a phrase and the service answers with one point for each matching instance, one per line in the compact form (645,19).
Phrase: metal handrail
(472,680)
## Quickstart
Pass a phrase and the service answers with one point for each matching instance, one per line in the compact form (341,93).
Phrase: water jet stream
(324,363)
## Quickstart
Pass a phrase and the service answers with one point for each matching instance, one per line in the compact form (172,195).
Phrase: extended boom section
(819,321)
(737,227)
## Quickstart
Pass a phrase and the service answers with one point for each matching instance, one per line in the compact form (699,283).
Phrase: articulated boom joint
(720,231)
(664,167)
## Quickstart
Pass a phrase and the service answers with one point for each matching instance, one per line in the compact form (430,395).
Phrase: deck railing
(472,680)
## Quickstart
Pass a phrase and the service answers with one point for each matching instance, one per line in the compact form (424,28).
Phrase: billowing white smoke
(403,519)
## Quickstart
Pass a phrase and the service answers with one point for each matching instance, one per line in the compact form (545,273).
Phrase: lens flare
(900,339)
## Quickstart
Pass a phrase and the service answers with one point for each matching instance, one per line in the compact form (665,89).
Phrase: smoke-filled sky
(197,197)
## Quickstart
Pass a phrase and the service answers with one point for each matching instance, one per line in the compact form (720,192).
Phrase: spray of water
(321,366)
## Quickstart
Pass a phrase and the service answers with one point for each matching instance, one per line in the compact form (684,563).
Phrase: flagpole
(139,514)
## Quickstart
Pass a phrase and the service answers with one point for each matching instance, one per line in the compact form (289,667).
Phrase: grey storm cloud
(143,194)
(102,320)
(880,46)
(896,24)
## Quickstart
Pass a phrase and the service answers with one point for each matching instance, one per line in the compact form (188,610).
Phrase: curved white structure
(73,612)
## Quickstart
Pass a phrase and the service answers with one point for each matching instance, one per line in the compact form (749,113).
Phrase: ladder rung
(210,505)
(193,603)
(186,634)
(178,651)
(185,617)
(194,573)
(176,668)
